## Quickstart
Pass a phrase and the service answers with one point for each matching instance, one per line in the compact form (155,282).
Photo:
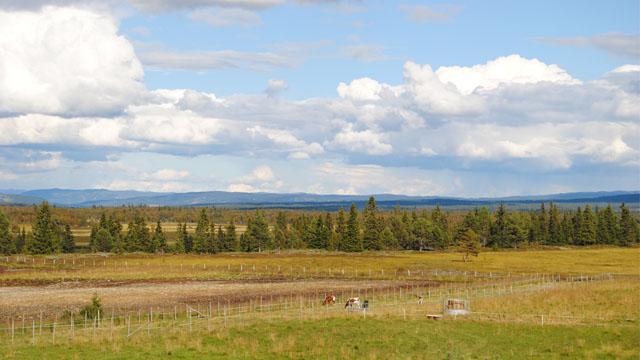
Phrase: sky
(469,98)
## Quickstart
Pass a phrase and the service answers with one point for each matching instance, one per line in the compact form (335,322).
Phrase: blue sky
(478,98)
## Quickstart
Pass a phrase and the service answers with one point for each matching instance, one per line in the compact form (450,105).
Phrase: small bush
(92,310)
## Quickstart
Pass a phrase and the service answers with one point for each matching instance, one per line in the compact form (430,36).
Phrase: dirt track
(56,298)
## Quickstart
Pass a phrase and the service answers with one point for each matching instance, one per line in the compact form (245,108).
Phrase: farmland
(576,302)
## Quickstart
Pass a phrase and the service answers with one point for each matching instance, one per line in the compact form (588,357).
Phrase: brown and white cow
(329,300)
(355,301)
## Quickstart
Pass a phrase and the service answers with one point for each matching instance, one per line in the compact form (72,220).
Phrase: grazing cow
(420,300)
(329,300)
(352,302)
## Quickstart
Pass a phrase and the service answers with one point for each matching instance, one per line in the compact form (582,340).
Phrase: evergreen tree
(280,232)
(202,233)
(629,232)
(399,231)
(187,239)
(499,231)
(103,240)
(212,242)
(440,231)
(45,234)
(68,241)
(321,234)
(566,229)
(21,241)
(221,242)
(588,229)
(179,246)
(388,239)
(554,229)
(258,237)
(7,246)
(231,238)
(469,244)
(159,240)
(352,240)
(371,239)
(130,240)
(607,226)
(341,230)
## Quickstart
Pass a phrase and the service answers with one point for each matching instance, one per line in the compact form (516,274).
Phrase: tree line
(352,231)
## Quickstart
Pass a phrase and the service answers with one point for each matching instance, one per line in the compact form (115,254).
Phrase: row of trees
(351,232)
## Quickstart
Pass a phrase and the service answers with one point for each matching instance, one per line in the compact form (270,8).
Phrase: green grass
(356,338)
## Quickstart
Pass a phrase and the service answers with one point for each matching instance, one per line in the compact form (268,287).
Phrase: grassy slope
(361,339)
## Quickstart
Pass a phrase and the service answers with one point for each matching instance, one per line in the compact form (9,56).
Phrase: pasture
(536,303)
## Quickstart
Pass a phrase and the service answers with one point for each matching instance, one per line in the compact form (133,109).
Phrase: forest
(350,231)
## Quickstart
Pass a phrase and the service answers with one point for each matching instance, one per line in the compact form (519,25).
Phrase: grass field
(576,303)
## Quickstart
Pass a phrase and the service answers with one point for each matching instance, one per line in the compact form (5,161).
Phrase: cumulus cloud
(67,62)
(365,141)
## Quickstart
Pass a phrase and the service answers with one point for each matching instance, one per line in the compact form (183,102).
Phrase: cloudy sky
(473,98)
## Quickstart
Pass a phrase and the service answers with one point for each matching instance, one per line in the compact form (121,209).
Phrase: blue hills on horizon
(111,198)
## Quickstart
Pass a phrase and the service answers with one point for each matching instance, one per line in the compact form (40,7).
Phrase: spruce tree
(629,231)
(221,243)
(469,244)
(21,241)
(231,238)
(159,239)
(321,234)
(68,241)
(555,232)
(212,241)
(371,239)
(45,233)
(577,227)
(280,232)
(588,230)
(566,230)
(103,240)
(341,231)
(179,246)
(440,232)
(352,240)
(7,246)
(187,239)
(202,233)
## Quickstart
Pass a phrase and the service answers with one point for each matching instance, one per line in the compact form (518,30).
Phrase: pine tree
(566,229)
(21,241)
(159,240)
(542,235)
(258,237)
(555,233)
(68,241)
(371,239)
(44,233)
(440,231)
(341,231)
(321,234)
(499,231)
(469,244)
(7,246)
(588,230)
(179,246)
(577,227)
(202,233)
(607,226)
(103,240)
(352,240)
(221,244)
(187,239)
(629,231)
(280,232)
(231,238)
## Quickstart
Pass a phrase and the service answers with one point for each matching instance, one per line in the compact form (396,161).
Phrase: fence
(399,303)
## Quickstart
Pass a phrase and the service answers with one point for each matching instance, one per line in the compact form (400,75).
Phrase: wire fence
(398,303)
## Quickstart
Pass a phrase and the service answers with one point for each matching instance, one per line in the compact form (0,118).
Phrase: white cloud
(275,86)
(428,14)
(614,43)
(225,17)
(167,175)
(65,61)
(365,52)
(365,141)
(512,69)
(221,59)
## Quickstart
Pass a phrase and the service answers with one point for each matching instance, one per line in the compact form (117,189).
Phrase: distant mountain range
(103,197)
